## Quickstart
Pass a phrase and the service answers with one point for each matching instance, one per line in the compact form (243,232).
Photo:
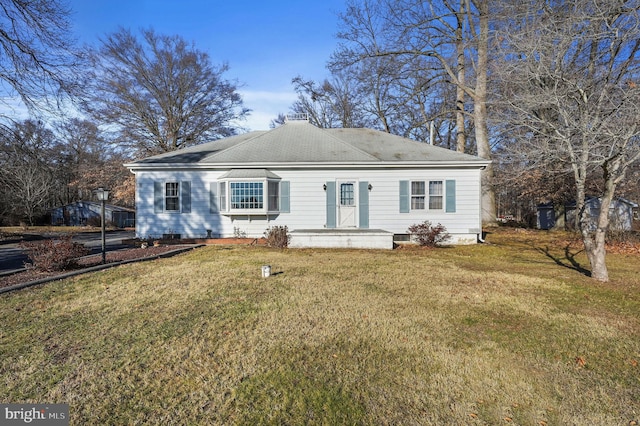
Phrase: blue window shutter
(404,196)
(363,201)
(213,197)
(158,197)
(331,204)
(284,197)
(186,197)
(451,196)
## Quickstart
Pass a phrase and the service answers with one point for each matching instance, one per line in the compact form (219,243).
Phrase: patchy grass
(507,332)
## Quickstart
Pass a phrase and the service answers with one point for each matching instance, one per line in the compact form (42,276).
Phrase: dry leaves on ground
(85,262)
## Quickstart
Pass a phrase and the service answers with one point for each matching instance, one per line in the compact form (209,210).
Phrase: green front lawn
(503,333)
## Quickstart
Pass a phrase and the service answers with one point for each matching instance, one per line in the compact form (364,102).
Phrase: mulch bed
(85,262)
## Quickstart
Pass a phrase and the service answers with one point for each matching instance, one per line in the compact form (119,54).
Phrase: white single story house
(330,187)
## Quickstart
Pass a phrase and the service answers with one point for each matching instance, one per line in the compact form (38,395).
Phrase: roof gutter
(480,164)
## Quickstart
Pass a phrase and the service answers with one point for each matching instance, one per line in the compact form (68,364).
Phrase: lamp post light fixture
(103,195)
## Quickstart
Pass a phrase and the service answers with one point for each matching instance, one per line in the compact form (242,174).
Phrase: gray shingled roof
(301,142)
(249,174)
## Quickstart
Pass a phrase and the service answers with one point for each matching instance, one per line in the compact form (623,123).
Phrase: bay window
(247,195)
(252,197)
(251,192)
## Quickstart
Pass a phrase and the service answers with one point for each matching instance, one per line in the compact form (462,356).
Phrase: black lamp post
(103,195)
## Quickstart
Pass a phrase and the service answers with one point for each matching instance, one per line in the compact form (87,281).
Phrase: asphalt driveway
(13,258)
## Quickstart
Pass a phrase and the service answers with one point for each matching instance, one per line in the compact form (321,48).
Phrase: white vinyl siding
(306,202)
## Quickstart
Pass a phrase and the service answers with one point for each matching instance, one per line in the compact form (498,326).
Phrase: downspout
(480,238)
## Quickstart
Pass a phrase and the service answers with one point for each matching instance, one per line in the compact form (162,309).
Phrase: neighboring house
(621,215)
(330,187)
(81,212)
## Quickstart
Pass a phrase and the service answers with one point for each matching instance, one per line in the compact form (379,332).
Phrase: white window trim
(179,197)
(228,210)
(424,195)
(441,195)
(427,195)
(267,196)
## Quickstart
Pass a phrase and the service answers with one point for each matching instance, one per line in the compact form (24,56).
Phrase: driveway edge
(96,268)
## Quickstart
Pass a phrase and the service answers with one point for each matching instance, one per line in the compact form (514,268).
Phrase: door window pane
(347,195)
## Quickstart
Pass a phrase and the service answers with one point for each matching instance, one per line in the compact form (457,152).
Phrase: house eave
(480,164)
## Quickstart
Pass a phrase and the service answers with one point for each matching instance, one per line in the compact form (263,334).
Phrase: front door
(347,217)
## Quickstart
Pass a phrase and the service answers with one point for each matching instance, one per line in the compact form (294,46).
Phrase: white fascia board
(480,164)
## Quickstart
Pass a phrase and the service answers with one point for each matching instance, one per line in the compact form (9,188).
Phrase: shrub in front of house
(54,254)
(277,236)
(427,235)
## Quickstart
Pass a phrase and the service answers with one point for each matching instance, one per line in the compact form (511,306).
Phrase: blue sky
(266,43)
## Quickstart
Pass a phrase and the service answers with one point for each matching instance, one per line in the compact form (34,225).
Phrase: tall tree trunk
(461,135)
(596,250)
(480,114)
(595,243)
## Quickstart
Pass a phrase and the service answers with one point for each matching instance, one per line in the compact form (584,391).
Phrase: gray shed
(621,214)
(80,212)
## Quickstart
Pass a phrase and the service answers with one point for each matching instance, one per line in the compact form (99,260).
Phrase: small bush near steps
(277,236)
(427,235)
(55,254)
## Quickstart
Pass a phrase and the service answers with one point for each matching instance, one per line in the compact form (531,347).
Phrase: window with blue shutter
(172,197)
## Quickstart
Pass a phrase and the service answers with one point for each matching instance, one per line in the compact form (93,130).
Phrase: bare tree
(331,103)
(571,73)
(27,179)
(36,51)
(161,93)
(85,161)
(450,36)
(82,151)
(278,121)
